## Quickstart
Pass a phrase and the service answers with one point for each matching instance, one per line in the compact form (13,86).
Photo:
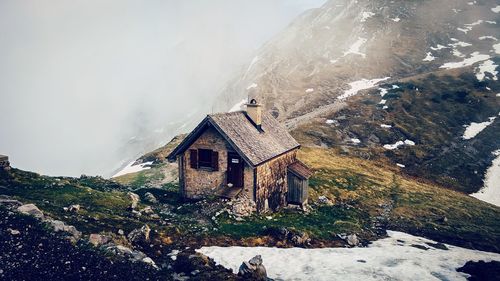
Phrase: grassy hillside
(367,197)
(430,110)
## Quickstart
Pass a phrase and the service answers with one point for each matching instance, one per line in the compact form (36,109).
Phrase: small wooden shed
(4,161)
(245,154)
(298,183)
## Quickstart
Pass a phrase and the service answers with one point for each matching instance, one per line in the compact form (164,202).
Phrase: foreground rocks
(30,209)
(253,269)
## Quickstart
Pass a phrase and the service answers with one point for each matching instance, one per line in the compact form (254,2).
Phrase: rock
(242,207)
(139,234)
(253,269)
(323,200)
(74,208)
(30,209)
(301,239)
(13,231)
(134,198)
(130,254)
(148,210)
(121,232)
(148,196)
(60,226)
(98,239)
(352,240)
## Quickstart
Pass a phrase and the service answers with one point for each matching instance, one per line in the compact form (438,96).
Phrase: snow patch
(474,128)
(429,57)
(383,92)
(354,48)
(356,141)
(491,190)
(496,47)
(382,102)
(329,121)
(360,85)
(396,19)
(488,66)
(398,144)
(310,90)
(254,85)
(488,37)
(496,9)
(366,15)
(392,258)
(438,47)
(475,57)
(400,165)
(385,126)
(131,168)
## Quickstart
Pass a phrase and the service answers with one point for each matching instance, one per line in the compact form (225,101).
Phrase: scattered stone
(13,231)
(323,200)
(437,245)
(421,247)
(60,226)
(134,198)
(148,210)
(242,207)
(253,269)
(98,239)
(30,209)
(74,208)
(148,196)
(139,234)
(352,240)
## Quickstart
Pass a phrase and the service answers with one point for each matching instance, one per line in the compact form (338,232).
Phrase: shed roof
(4,157)
(254,145)
(300,169)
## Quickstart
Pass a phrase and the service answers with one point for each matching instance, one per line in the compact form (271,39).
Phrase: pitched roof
(3,157)
(254,145)
(300,169)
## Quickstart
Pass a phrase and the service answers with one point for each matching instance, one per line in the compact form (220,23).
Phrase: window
(205,158)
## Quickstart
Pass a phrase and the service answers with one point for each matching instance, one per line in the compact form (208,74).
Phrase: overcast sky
(80,78)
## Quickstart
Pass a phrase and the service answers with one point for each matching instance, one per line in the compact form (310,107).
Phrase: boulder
(253,269)
(134,199)
(149,197)
(60,226)
(148,210)
(74,208)
(139,234)
(30,209)
(352,240)
(323,200)
(130,254)
(98,239)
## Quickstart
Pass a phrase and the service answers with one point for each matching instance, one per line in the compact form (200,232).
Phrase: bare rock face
(30,209)
(253,269)
(134,200)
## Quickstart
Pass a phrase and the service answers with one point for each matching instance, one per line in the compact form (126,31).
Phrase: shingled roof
(254,145)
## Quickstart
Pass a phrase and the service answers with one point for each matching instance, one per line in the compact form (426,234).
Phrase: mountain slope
(313,68)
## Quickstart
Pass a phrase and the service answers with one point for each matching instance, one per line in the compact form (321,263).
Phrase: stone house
(245,154)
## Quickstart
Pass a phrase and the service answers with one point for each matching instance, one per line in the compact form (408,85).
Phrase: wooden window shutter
(215,160)
(193,158)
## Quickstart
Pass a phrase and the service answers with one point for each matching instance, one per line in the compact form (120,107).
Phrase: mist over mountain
(86,86)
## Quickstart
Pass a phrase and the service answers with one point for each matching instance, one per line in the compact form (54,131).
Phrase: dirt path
(320,111)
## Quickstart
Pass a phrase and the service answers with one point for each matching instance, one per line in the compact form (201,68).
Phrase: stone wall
(272,182)
(198,183)
(4,161)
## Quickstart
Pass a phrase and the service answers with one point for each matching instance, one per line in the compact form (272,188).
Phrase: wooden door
(235,168)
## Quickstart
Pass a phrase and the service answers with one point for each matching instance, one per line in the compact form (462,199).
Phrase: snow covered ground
(355,47)
(491,191)
(131,168)
(475,57)
(392,258)
(362,84)
(474,128)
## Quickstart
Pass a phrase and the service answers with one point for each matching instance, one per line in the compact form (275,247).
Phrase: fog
(86,86)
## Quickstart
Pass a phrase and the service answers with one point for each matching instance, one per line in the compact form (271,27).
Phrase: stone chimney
(254,112)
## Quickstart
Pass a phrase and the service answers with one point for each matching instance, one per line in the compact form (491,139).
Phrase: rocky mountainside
(312,70)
